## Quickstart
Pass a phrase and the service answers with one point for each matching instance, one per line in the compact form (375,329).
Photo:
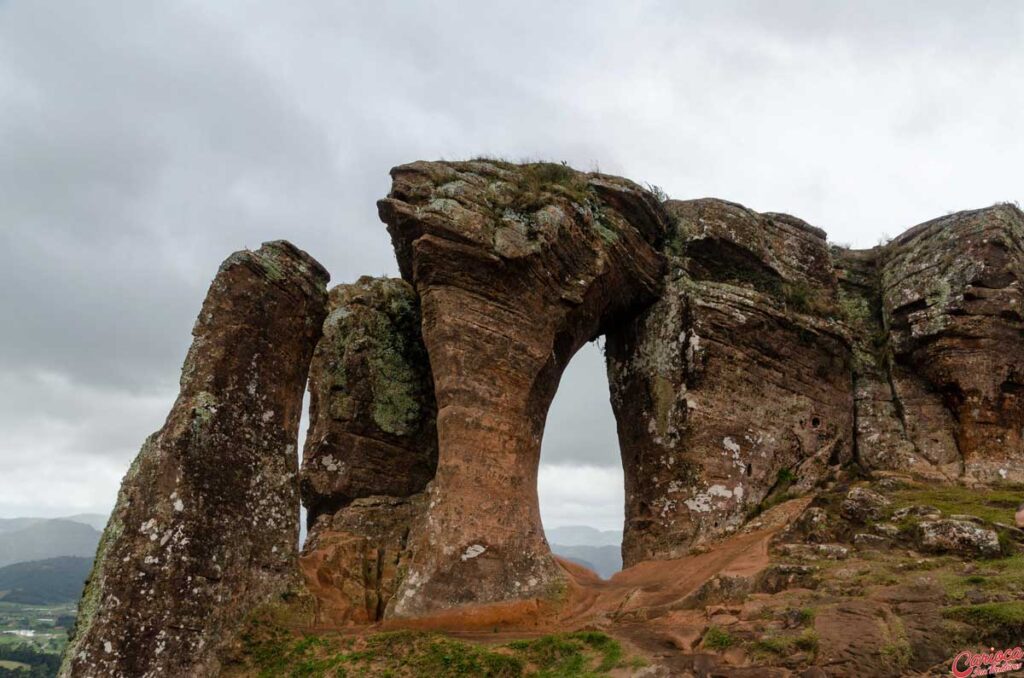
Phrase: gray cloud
(140,143)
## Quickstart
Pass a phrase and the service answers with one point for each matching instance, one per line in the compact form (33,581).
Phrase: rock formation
(951,297)
(370,450)
(735,381)
(371,406)
(516,268)
(748,360)
(205,527)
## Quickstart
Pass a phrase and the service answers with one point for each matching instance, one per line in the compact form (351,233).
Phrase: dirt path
(654,588)
(644,605)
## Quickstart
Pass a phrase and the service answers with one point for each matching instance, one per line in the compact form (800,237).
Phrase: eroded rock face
(370,451)
(901,424)
(353,559)
(516,267)
(951,296)
(736,382)
(372,410)
(958,537)
(205,525)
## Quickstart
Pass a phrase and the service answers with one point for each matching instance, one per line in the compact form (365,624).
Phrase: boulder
(958,537)
(917,511)
(780,577)
(862,505)
(206,523)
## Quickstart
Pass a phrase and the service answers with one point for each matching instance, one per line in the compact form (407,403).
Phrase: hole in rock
(815,422)
(300,444)
(580,481)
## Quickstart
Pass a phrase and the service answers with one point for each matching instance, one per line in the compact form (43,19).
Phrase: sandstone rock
(815,551)
(951,296)
(353,559)
(862,505)
(516,267)
(206,523)
(872,541)
(901,424)
(813,526)
(917,511)
(887,530)
(852,636)
(372,412)
(734,383)
(780,577)
(957,537)
(370,451)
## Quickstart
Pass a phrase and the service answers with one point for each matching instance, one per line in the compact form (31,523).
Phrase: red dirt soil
(645,601)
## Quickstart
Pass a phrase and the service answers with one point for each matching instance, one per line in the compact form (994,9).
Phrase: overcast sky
(141,143)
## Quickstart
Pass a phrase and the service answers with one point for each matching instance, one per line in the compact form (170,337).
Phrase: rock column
(206,522)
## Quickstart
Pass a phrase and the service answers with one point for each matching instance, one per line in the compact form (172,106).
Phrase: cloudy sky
(141,143)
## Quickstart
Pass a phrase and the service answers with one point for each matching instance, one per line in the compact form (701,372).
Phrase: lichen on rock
(372,411)
(205,526)
(516,267)
(732,379)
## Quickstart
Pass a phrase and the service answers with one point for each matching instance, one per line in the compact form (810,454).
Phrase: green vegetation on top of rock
(998,622)
(994,504)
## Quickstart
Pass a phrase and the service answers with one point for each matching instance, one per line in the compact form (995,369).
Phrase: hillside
(604,560)
(48,539)
(44,582)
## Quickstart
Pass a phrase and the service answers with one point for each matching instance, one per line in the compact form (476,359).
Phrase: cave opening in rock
(580,481)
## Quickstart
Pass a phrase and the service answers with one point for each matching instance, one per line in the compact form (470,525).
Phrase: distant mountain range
(30,539)
(44,582)
(599,550)
(44,560)
(582,535)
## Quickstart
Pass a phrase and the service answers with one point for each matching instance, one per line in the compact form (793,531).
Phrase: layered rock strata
(951,297)
(735,383)
(205,527)
(516,267)
(748,360)
(370,450)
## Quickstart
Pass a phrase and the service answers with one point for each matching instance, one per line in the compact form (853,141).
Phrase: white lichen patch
(472,551)
(709,499)
(330,463)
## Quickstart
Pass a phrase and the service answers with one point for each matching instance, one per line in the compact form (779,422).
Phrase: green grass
(781,646)
(898,653)
(993,622)
(779,493)
(1000,575)
(5,664)
(410,654)
(996,504)
(718,639)
(805,616)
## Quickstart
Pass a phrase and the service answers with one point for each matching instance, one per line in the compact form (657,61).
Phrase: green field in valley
(32,638)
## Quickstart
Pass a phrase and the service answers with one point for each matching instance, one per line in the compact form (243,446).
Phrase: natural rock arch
(746,358)
(515,268)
